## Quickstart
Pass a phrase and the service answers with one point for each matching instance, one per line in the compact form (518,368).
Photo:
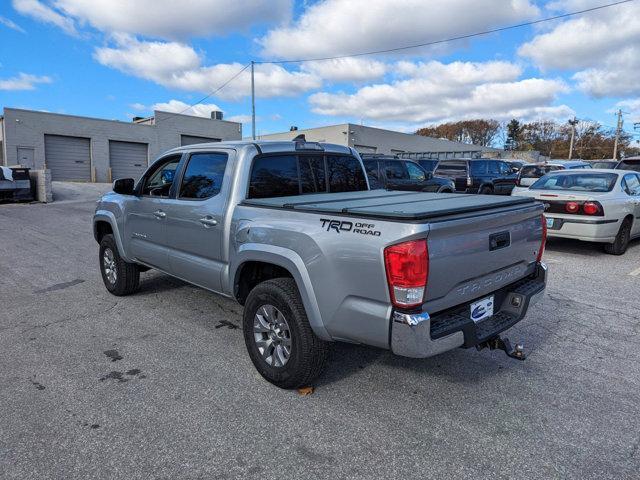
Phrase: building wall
(27,128)
(384,141)
(332,134)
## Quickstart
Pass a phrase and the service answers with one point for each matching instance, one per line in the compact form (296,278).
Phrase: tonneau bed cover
(392,205)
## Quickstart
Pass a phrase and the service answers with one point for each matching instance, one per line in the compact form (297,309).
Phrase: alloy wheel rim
(109,265)
(272,336)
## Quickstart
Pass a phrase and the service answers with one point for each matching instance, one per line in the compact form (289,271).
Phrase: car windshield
(428,165)
(537,171)
(604,164)
(633,165)
(587,182)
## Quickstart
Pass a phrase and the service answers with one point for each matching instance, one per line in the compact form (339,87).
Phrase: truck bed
(390,205)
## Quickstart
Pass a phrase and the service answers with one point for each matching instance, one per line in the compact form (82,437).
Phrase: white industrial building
(377,140)
(90,149)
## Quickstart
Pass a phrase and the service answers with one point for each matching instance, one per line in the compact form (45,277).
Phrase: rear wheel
(279,339)
(619,246)
(120,277)
(486,190)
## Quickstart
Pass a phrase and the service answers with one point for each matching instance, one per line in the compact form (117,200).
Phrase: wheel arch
(259,262)
(104,222)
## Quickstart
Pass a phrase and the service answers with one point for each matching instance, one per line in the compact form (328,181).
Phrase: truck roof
(391,205)
(269,146)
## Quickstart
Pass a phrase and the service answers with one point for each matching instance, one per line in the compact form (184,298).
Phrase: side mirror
(124,186)
(428,176)
(515,169)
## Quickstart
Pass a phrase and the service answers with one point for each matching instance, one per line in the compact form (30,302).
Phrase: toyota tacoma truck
(292,232)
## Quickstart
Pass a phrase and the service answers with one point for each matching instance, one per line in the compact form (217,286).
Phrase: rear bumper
(588,230)
(419,335)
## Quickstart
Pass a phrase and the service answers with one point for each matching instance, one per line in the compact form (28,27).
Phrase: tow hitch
(498,343)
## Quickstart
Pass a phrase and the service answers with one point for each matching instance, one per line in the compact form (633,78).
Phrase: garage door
(68,158)
(191,139)
(127,159)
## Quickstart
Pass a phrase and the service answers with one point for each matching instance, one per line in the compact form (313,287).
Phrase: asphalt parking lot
(158,385)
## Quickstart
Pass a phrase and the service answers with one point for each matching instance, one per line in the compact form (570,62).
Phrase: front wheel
(120,277)
(620,244)
(486,190)
(279,339)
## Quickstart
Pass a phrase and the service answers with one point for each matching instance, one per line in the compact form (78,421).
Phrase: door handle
(208,222)
(159,214)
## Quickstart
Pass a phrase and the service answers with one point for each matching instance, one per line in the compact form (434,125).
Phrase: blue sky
(119,58)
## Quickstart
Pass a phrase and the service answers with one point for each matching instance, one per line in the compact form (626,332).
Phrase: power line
(451,39)
(206,96)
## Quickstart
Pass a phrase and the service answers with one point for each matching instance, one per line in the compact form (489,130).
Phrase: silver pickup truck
(291,231)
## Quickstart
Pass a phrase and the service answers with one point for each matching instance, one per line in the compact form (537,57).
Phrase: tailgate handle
(499,240)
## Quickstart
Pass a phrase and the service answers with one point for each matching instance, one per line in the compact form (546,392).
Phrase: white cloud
(241,118)
(139,107)
(174,19)
(435,91)
(632,106)
(616,76)
(45,14)
(176,106)
(11,24)
(604,45)
(176,65)
(334,27)
(156,61)
(23,81)
(348,69)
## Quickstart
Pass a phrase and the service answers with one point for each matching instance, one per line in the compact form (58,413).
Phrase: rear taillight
(469,182)
(407,266)
(572,207)
(591,208)
(544,238)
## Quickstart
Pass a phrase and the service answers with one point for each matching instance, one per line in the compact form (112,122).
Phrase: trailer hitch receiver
(498,343)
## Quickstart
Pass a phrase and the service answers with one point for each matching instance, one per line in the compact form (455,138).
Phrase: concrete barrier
(42,182)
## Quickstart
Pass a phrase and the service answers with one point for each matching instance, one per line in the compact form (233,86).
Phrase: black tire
(486,190)
(127,275)
(445,190)
(619,246)
(308,354)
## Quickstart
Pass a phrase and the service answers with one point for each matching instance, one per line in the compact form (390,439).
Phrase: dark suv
(480,175)
(393,173)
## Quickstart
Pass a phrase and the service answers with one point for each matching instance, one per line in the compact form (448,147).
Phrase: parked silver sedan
(598,205)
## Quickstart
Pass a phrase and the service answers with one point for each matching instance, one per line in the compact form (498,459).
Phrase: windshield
(587,182)
(604,164)
(428,165)
(633,165)
(537,171)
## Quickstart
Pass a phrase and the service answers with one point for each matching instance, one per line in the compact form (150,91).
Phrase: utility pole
(253,102)
(573,124)
(618,130)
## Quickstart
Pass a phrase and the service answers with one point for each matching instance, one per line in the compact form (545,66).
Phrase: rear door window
(274,176)
(395,170)
(631,184)
(478,167)
(345,174)
(452,168)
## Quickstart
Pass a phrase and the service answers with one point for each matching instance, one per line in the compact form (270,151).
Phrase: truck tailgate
(472,256)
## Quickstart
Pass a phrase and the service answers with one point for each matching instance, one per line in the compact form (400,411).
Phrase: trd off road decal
(354,227)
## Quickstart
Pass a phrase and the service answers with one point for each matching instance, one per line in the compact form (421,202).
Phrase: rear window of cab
(298,174)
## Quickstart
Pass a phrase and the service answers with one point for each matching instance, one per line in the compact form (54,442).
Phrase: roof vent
(216,115)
